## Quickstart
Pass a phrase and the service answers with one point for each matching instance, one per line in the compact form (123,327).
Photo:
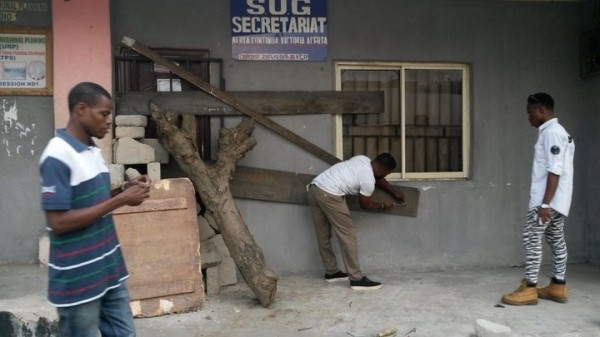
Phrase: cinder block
(209,255)
(129,151)
(211,221)
(132,173)
(227,272)
(131,120)
(44,250)
(213,285)
(484,328)
(135,132)
(206,232)
(219,244)
(162,155)
(117,174)
(153,170)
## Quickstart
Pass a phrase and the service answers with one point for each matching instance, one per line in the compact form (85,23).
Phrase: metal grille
(433,118)
(135,72)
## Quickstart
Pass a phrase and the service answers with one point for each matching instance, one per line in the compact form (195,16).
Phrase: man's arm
(369,204)
(63,222)
(139,180)
(386,186)
(551,185)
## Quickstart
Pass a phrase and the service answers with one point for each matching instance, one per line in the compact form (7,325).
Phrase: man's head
(383,165)
(540,108)
(90,107)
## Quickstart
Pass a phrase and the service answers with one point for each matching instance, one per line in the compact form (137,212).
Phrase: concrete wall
(82,52)
(588,154)
(22,222)
(81,45)
(590,157)
(515,49)
(26,124)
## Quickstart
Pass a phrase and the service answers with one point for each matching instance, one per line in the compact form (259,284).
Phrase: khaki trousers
(330,212)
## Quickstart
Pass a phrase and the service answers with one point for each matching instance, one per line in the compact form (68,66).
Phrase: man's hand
(66,221)
(136,190)
(399,196)
(140,180)
(544,215)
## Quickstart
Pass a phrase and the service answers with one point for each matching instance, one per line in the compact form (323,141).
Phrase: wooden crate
(159,239)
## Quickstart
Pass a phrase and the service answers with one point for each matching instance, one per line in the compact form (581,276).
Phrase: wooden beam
(288,187)
(234,103)
(264,102)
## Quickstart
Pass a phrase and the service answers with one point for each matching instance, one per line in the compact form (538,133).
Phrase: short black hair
(542,99)
(386,161)
(88,93)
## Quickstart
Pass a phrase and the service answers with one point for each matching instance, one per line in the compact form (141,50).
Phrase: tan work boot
(554,291)
(524,295)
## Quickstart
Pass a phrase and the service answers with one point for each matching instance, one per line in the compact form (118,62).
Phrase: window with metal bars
(425,122)
(134,72)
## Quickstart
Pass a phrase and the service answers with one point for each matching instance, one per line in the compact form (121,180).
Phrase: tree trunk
(212,184)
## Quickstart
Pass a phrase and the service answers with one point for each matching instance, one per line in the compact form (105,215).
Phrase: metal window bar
(433,118)
(136,73)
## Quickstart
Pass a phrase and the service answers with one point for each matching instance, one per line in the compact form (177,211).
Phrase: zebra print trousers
(553,231)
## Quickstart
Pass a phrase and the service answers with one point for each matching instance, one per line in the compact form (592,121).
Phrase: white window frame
(402,67)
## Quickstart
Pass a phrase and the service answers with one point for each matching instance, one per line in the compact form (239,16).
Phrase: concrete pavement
(415,303)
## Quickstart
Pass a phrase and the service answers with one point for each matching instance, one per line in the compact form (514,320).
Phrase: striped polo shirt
(86,263)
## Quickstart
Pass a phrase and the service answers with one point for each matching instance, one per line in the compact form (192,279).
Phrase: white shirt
(349,177)
(554,152)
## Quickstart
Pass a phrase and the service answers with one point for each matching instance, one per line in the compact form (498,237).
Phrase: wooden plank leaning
(227,99)
(267,103)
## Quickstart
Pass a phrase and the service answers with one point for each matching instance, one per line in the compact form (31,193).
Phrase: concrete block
(44,250)
(129,151)
(132,173)
(136,132)
(212,285)
(485,328)
(153,170)
(206,232)
(117,174)
(131,120)
(219,244)
(211,220)
(162,155)
(209,255)
(227,272)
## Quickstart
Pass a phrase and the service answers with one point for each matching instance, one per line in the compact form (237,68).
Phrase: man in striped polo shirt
(86,270)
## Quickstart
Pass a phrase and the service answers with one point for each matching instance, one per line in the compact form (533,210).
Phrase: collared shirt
(86,263)
(349,177)
(554,153)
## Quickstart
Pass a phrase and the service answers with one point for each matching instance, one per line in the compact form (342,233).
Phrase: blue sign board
(279,30)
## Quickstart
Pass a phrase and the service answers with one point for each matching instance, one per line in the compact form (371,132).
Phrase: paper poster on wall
(25,62)
(279,30)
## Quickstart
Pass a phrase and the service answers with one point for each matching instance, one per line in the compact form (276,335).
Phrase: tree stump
(212,184)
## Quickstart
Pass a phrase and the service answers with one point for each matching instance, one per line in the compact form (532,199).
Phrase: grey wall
(589,154)
(26,125)
(24,131)
(515,49)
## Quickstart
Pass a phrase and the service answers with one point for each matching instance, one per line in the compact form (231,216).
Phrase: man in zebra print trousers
(549,203)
